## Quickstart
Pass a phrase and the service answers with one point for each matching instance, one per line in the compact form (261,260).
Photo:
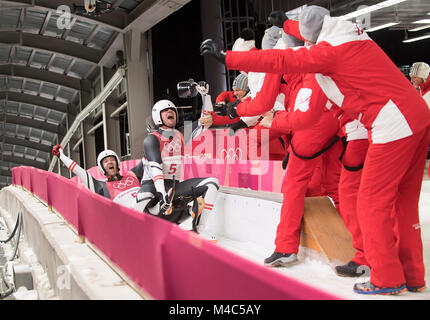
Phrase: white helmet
(159,107)
(104,154)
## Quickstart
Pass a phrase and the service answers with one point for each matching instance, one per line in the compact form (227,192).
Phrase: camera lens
(186,89)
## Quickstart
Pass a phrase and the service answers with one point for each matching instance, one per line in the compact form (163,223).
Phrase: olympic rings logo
(232,154)
(123,184)
(173,146)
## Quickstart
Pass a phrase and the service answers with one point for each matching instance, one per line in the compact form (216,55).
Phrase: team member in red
(274,142)
(162,158)
(352,168)
(240,92)
(349,64)
(121,189)
(326,167)
(308,150)
(420,79)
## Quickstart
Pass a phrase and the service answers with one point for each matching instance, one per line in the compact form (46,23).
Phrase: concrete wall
(62,267)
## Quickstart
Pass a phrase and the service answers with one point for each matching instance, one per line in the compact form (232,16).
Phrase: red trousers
(331,170)
(315,188)
(349,184)
(387,207)
(300,174)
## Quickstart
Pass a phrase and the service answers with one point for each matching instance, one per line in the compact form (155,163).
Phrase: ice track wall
(163,260)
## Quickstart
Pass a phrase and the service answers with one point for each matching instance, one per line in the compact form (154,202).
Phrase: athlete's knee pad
(146,202)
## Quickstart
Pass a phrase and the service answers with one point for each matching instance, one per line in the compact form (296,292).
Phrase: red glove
(56,150)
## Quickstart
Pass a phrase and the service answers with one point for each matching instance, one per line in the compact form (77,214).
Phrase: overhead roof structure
(43,68)
(405,13)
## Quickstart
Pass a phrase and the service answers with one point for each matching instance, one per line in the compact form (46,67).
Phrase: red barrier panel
(63,196)
(200,168)
(259,175)
(40,184)
(131,240)
(26,178)
(16,175)
(164,260)
(197,269)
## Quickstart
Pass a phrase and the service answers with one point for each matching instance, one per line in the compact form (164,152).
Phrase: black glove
(236,126)
(165,203)
(231,109)
(220,109)
(209,47)
(277,18)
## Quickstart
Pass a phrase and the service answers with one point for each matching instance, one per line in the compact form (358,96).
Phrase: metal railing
(97,101)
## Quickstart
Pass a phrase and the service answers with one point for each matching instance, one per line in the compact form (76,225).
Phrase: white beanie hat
(420,70)
(243,45)
(246,41)
(310,22)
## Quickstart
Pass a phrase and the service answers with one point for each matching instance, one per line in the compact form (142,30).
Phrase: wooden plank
(324,231)
(307,240)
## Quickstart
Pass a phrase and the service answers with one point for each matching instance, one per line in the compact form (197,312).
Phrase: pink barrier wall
(115,230)
(222,274)
(63,196)
(161,258)
(26,178)
(215,153)
(260,175)
(40,184)
(16,175)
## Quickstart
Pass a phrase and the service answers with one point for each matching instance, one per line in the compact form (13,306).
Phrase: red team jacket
(390,108)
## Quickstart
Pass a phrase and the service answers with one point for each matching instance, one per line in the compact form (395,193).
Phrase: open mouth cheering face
(168,117)
(110,166)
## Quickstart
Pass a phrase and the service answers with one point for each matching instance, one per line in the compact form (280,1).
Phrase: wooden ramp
(324,235)
(324,231)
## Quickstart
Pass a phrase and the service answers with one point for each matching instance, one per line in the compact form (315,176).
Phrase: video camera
(188,89)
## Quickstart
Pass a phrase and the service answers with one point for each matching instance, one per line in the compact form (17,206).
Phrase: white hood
(337,31)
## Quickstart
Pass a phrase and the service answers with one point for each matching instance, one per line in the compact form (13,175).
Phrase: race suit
(121,189)
(163,152)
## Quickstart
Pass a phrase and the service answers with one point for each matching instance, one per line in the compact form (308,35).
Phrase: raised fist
(220,109)
(57,150)
(211,48)
(202,87)
(231,109)
(237,126)
(277,18)
(166,202)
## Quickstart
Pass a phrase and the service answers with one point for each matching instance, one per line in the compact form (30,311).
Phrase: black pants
(185,192)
